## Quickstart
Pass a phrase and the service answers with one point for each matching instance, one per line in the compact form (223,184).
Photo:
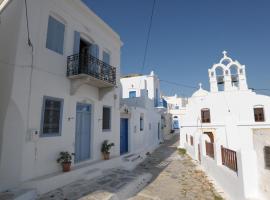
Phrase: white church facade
(227,130)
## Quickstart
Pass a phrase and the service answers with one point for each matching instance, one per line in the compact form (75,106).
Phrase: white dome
(200,92)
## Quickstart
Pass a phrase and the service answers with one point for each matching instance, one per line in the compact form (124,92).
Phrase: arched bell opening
(220,78)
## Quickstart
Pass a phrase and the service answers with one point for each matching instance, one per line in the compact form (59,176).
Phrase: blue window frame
(55,35)
(51,116)
(106,119)
(132,94)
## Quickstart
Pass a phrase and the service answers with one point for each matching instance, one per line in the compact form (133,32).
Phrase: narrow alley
(167,173)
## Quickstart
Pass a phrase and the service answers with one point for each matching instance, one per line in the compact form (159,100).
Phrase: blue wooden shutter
(55,35)
(76,46)
(60,31)
(50,34)
(94,51)
(106,57)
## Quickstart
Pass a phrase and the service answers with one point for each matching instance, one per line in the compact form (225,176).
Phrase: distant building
(58,92)
(176,106)
(227,129)
(141,111)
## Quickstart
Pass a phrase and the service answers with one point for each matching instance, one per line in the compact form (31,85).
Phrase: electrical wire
(32,64)
(178,84)
(147,44)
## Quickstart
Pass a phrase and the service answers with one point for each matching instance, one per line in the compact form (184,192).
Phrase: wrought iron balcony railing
(78,64)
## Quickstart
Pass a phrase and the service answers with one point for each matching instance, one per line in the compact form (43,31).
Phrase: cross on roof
(224,53)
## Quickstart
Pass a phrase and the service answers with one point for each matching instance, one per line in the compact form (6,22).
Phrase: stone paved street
(174,176)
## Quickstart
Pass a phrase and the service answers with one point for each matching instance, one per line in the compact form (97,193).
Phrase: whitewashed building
(176,108)
(59,72)
(140,114)
(227,129)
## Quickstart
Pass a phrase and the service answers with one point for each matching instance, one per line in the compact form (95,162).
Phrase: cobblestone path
(174,177)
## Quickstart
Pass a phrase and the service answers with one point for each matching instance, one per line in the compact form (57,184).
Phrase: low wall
(240,185)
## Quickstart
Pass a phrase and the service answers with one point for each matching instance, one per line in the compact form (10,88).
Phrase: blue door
(82,135)
(123,136)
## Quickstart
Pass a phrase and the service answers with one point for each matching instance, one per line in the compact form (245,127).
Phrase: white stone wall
(261,139)
(22,159)
(142,84)
(147,139)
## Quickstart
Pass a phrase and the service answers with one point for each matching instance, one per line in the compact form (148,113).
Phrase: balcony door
(85,49)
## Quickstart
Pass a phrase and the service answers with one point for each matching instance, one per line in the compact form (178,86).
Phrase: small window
(205,115)
(191,140)
(141,123)
(176,107)
(51,116)
(106,119)
(132,94)
(55,35)
(259,114)
(186,138)
(267,157)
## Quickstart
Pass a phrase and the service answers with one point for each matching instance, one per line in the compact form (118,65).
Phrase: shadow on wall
(11,152)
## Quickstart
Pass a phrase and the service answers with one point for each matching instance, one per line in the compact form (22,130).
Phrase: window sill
(49,135)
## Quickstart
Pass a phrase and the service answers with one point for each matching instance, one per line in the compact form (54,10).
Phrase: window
(176,107)
(259,114)
(267,157)
(106,119)
(51,119)
(132,94)
(141,123)
(55,35)
(205,115)
(191,140)
(186,138)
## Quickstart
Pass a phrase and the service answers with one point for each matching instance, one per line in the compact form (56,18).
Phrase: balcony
(87,69)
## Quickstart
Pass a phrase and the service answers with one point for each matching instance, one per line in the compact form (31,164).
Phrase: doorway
(123,136)
(84,56)
(83,132)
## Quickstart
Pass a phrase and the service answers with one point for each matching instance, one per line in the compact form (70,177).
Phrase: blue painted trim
(42,117)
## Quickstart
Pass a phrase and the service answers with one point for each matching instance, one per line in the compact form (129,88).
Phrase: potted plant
(105,149)
(65,159)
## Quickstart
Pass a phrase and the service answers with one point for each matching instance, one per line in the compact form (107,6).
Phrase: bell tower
(227,75)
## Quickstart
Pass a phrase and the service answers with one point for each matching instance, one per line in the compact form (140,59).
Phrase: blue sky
(188,36)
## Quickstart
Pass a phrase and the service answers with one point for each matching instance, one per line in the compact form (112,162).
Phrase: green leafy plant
(106,146)
(65,157)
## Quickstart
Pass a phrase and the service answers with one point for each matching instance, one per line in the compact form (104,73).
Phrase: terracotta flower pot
(106,156)
(66,167)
